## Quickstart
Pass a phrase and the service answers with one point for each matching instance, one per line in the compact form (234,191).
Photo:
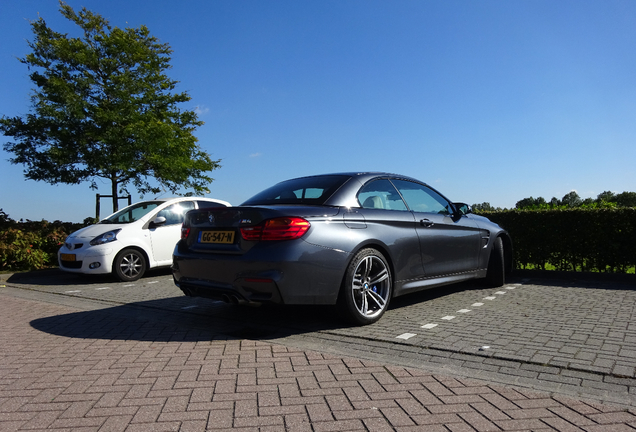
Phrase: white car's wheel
(129,265)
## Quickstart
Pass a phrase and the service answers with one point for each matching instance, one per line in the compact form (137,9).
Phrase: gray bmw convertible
(352,239)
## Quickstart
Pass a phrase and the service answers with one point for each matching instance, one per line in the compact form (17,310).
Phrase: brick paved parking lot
(93,354)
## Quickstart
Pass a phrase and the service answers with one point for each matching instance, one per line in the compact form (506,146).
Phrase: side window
(175,213)
(420,198)
(380,194)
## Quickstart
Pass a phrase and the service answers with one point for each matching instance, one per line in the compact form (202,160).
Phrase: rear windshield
(306,190)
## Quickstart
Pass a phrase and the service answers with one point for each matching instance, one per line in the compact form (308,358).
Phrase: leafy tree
(606,196)
(4,218)
(529,203)
(626,199)
(103,107)
(571,199)
(483,207)
(588,202)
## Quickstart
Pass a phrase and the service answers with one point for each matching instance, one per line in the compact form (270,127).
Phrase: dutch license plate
(221,237)
(68,257)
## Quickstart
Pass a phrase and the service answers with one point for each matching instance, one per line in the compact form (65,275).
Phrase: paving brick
(437,419)
(377,424)
(41,420)
(445,409)
(524,424)
(340,425)
(478,422)
(613,418)
(489,411)
(561,425)
(147,414)
(116,423)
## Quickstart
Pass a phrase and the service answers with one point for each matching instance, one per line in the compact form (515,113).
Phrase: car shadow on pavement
(198,319)
(57,277)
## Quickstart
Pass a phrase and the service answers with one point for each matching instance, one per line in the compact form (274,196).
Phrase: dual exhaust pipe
(226,298)
(232,299)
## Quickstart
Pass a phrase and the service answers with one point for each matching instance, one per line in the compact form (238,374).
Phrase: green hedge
(598,240)
(32,245)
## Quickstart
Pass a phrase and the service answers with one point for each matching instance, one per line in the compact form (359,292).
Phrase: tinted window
(380,194)
(208,204)
(306,190)
(420,198)
(175,213)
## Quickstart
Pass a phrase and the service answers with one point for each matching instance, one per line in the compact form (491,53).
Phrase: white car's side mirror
(158,222)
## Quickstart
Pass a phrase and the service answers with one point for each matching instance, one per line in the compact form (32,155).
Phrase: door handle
(426,223)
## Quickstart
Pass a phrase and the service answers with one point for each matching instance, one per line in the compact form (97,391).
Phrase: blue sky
(487,101)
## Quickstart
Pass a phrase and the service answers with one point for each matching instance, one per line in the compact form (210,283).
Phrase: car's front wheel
(129,265)
(366,288)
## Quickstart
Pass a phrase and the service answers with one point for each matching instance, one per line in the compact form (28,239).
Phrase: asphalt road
(571,336)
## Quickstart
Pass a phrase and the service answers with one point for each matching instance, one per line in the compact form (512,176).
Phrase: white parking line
(76,291)
(153,282)
(129,285)
(451,317)
(406,336)
(104,288)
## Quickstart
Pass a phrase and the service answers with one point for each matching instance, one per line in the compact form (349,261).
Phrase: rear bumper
(302,274)
(243,290)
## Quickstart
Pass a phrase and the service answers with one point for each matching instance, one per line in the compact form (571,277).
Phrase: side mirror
(157,222)
(462,208)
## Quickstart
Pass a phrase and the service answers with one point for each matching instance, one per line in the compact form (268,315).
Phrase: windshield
(132,213)
(306,190)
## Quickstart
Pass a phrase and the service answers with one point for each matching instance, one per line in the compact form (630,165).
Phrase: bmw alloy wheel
(368,287)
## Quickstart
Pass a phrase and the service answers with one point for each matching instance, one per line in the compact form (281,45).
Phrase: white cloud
(201,109)
(255,155)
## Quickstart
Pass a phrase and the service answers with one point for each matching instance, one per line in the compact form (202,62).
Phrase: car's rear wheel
(496,275)
(129,265)
(367,287)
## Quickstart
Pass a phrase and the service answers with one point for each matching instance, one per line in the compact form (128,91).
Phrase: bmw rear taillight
(185,231)
(284,228)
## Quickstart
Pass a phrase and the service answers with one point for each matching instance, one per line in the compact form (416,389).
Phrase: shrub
(31,245)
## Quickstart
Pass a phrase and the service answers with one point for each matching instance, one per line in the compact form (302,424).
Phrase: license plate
(219,237)
(68,257)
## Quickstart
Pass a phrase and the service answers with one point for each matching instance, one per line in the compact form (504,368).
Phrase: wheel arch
(508,257)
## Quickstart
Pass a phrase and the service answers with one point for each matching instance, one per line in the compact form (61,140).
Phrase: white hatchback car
(136,238)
